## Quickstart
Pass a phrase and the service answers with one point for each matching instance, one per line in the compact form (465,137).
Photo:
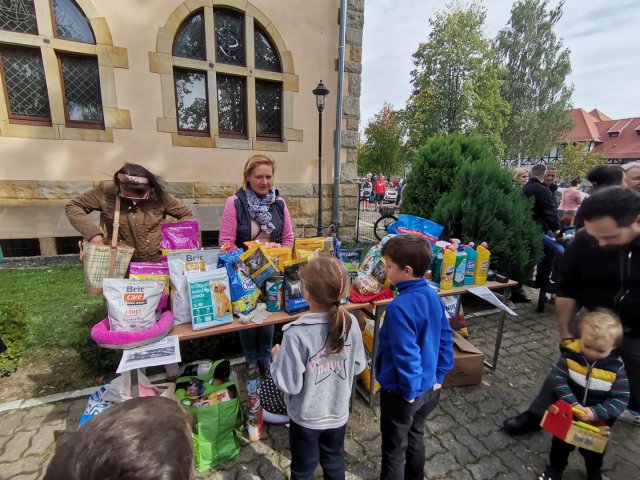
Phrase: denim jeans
(309,446)
(257,343)
(402,428)
(550,248)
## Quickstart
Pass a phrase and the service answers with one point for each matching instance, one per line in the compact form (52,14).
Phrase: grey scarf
(259,209)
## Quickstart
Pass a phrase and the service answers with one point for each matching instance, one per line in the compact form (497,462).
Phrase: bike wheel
(380,227)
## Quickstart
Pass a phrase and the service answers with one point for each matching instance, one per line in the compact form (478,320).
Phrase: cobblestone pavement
(464,440)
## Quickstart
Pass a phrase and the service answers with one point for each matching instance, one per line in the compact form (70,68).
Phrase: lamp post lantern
(321,93)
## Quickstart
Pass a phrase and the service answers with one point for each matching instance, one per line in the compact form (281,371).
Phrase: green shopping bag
(217,426)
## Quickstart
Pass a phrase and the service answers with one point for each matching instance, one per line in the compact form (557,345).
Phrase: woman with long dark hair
(144,203)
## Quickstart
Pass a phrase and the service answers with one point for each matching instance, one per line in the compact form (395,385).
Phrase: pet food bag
(180,265)
(244,292)
(132,304)
(152,271)
(209,298)
(350,258)
(180,236)
(372,274)
(293,300)
(258,265)
(279,255)
(304,247)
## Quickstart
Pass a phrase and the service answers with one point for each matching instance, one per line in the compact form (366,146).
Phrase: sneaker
(526,422)
(549,474)
(631,417)
(518,296)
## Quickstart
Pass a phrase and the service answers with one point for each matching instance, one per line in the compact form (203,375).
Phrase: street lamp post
(321,93)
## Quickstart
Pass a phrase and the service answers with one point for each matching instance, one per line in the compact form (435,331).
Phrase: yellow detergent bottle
(448,268)
(482,264)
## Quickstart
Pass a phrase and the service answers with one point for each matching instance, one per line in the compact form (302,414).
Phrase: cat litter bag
(132,304)
(180,236)
(209,298)
(180,265)
(243,290)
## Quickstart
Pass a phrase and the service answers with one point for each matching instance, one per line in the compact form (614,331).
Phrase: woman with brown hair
(256,212)
(321,354)
(144,204)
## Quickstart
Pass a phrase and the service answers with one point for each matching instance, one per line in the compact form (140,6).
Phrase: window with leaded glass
(81,85)
(192,101)
(229,33)
(70,23)
(189,41)
(25,85)
(18,16)
(232,94)
(266,54)
(268,109)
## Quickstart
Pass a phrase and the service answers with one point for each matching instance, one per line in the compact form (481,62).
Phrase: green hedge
(13,327)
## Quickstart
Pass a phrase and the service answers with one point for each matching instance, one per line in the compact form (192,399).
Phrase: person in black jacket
(545,214)
(600,269)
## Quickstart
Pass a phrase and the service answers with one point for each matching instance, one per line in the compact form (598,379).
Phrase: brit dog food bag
(132,304)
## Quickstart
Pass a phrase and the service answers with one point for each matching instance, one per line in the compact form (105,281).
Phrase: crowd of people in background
(374,188)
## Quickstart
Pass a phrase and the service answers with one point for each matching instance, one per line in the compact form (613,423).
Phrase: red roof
(613,138)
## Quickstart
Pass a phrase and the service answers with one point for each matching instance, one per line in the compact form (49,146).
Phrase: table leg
(376,336)
(134,383)
(496,350)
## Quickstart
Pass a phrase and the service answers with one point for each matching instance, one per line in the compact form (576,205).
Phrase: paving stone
(11,420)
(16,447)
(487,467)
(440,465)
(41,442)
(14,469)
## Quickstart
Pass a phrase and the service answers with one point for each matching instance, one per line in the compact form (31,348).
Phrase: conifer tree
(482,206)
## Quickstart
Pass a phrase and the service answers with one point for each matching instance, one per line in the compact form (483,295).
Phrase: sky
(601,35)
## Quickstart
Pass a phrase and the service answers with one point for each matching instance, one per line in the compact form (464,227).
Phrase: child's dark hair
(135,170)
(325,279)
(411,250)
(142,438)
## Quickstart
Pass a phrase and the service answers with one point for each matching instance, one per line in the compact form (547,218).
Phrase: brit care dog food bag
(152,271)
(132,304)
(182,264)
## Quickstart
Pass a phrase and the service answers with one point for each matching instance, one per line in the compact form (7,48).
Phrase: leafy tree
(383,148)
(535,67)
(483,206)
(455,82)
(577,161)
(435,168)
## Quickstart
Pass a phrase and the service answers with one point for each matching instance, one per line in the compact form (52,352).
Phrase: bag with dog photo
(209,298)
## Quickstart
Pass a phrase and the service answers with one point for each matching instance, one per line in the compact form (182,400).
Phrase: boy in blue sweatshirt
(414,354)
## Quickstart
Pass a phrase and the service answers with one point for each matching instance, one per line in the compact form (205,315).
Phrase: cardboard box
(468,364)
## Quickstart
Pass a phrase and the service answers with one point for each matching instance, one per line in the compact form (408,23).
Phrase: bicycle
(387,217)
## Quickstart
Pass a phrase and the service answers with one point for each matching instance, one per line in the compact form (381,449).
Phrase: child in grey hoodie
(320,355)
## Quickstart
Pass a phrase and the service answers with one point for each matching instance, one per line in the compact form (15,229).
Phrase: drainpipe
(338,145)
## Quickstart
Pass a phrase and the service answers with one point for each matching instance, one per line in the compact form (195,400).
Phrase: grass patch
(58,311)
(12,332)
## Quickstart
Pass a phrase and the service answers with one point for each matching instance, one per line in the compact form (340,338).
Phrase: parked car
(390,195)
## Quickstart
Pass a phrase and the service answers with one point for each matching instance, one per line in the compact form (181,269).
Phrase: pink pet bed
(126,340)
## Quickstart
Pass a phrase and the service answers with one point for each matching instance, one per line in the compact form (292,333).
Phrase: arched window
(233,92)
(26,81)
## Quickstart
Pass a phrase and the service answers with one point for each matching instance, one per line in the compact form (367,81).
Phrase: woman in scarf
(256,212)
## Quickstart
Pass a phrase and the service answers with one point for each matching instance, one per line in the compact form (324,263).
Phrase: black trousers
(310,446)
(559,457)
(402,428)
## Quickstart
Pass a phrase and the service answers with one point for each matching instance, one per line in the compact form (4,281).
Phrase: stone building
(190,89)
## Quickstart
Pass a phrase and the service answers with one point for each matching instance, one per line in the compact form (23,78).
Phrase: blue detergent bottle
(461,267)
(471,263)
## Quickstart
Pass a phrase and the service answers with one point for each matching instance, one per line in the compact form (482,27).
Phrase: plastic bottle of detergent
(482,264)
(436,264)
(461,267)
(471,263)
(448,268)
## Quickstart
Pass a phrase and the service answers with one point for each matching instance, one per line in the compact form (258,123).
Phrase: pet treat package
(273,294)
(350,258)
(244,292)
(180,236)
(279,255)
(209,298)
(293,299)
(258,265)
(182,264)
(372,274)
(132,304)
(152,271)
(304,247)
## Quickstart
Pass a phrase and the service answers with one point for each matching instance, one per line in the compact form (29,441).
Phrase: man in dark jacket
(600,269)
(545,214)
